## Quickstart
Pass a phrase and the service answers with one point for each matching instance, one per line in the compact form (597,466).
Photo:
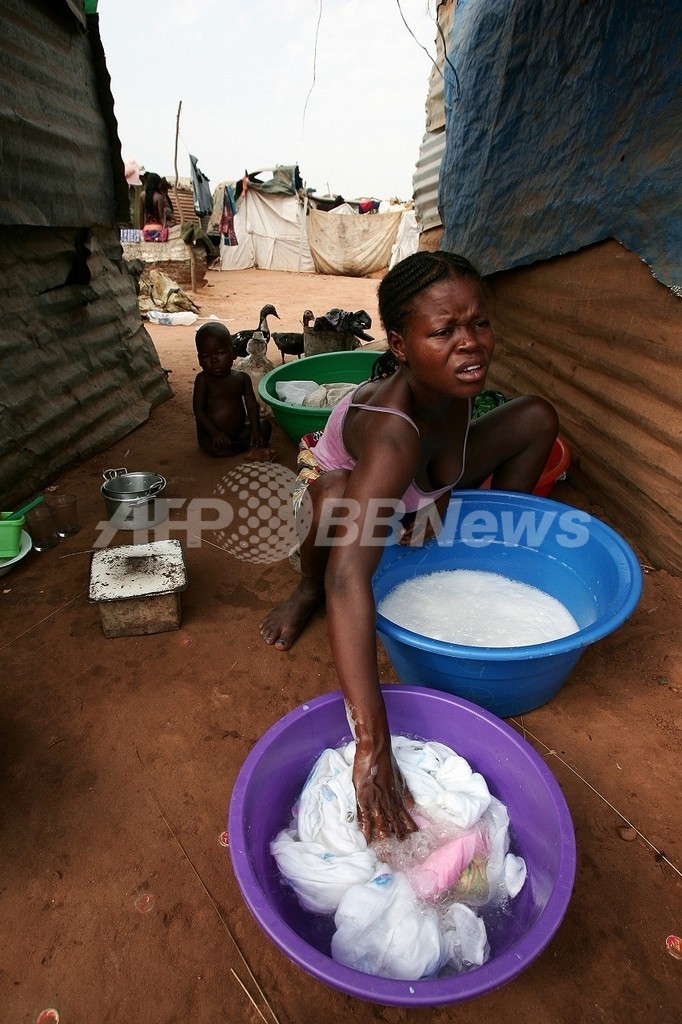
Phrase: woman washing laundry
(401,442)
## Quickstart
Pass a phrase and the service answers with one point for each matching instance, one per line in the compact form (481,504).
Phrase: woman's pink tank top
(331,452)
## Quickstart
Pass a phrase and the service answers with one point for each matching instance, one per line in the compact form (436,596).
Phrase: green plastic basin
(330,368)
(10,535)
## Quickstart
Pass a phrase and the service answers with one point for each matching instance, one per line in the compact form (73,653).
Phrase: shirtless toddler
(224,403)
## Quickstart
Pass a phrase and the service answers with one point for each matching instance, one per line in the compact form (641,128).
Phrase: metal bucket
(133,500)
(317,343)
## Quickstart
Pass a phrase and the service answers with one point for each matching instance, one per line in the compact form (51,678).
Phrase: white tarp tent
(271,234)
(278,227)
(407,238)
(240,256)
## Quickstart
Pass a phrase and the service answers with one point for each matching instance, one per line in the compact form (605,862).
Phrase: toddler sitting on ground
(225,407)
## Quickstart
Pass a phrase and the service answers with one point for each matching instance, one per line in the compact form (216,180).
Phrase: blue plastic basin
(563,551)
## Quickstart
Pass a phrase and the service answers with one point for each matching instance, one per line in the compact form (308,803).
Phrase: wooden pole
(192,267)
(177,133)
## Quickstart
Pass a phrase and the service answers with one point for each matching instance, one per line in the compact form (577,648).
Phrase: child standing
(224,403)
(406,438)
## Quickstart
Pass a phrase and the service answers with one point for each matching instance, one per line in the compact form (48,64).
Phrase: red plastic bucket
(557,463)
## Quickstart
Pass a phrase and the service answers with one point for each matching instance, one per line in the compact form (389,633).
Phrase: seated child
(224,403)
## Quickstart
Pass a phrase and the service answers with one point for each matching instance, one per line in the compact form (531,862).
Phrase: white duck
(256,364)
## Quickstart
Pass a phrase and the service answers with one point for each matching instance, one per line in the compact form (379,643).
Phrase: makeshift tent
(561,180)
(275,225)
(354,246)
(271,235)
(268,224)
(567,132)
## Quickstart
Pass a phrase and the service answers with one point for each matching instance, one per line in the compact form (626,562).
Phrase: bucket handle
(111,474)
(157,486)
(154,488)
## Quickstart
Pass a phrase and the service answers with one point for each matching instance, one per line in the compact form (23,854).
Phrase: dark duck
(291,343)
(241,338)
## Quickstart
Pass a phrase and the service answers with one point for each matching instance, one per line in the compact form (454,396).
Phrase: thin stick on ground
(659,853)
(248,994)
(215,907)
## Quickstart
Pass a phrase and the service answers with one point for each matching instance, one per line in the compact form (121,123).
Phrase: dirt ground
(118,758)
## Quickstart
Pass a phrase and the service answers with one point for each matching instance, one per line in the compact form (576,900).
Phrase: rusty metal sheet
(79,368)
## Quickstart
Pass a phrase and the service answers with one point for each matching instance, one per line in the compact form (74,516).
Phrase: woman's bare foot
(285,622)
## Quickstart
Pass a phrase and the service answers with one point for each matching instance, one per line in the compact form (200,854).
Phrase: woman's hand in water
(418,527)
(382,797)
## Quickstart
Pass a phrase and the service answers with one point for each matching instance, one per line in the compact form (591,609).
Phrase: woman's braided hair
(406,280)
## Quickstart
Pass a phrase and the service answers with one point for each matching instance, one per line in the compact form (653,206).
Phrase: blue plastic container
(563,551)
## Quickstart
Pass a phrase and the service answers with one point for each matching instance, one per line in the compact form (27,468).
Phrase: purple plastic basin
(541,832)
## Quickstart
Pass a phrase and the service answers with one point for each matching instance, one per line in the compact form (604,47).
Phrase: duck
(256,364)
(292,343)
(240,338)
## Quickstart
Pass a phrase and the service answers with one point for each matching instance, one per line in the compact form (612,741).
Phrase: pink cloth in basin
(443,866)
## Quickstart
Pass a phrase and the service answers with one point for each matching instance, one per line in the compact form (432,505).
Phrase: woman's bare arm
(384,469)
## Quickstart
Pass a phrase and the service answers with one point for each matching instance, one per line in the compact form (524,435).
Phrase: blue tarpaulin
(563,128)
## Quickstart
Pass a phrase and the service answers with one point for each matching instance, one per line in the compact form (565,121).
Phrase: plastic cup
(65,508)
(41,524)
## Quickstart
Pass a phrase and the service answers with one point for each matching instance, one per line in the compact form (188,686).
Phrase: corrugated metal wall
(425,180)
(427,174)
(78,368)
(599,337)
(435,101)
(56,158)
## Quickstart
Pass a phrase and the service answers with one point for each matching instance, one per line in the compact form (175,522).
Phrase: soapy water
(478,609)
(318,929)
(473,888)
(468,882)
(410,852)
